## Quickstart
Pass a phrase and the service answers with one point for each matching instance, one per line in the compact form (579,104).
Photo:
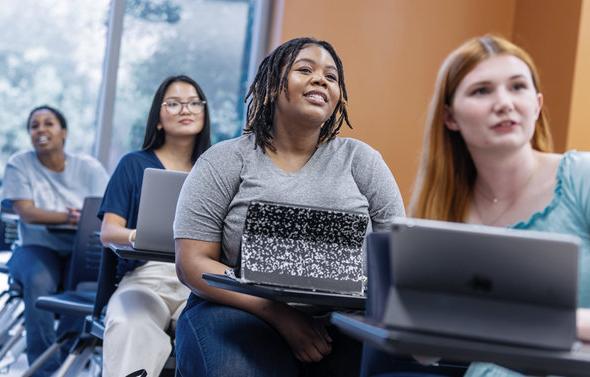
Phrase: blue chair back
(87,250)
(379,271)
(6,206)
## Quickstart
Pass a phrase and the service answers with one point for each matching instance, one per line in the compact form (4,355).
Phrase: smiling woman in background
(47,186)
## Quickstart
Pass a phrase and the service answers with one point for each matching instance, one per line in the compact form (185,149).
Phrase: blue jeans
(40,271)
(220,341)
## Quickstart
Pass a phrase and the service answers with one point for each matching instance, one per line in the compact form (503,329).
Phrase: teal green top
(568,213)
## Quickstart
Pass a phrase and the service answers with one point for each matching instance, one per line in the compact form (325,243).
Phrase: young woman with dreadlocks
(289,154)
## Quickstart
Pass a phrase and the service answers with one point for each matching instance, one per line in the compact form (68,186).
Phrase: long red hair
(446,175)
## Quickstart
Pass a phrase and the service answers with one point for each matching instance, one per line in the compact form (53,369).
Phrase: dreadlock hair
(271,80)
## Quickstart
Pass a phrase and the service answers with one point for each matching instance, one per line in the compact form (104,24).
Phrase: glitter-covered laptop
(305,248)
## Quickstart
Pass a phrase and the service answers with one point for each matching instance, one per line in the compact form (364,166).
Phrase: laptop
(157,208)
(483,283)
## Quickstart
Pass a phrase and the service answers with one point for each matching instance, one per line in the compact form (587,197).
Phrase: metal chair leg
(16,333)
(54,348)
(79,356)
(12,309)
(13,353)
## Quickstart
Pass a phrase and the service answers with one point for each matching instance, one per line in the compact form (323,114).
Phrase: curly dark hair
(58,114)
(271,79)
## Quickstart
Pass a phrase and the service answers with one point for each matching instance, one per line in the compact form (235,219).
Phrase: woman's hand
(131,237)
(73,216)
(307,336)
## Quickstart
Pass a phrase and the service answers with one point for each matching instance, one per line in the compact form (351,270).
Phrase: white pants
(138,314)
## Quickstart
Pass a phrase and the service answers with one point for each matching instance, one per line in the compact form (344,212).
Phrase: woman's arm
(307,337)
(113,230)
(31,214)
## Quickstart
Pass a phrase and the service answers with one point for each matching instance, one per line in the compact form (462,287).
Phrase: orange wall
(579,127)
(548,30)
(391,51)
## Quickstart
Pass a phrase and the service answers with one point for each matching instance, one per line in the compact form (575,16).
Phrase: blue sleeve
(122,198)
(122,189)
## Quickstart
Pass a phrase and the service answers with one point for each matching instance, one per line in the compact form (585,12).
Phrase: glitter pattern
(303,247)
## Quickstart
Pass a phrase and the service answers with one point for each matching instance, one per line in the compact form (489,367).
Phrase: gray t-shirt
(26,178)
(344,174)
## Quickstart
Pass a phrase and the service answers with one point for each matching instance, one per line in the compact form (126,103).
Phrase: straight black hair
(271,79)
(155,138)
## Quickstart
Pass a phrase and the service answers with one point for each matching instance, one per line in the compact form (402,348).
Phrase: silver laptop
(304,248)
(483,283)
(157,207)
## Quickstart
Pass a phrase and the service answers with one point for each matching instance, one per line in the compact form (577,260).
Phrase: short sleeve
(16,183)
(577,177)
(119,191)
(99,178)
(377,184)
(205,199)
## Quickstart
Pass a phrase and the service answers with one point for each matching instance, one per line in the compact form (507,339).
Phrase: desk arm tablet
(62,228)
(575,363)
(128,252)
(332,300)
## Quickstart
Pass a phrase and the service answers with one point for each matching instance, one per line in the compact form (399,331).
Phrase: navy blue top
(122,194)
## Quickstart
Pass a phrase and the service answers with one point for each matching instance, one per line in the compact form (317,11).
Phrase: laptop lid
(301,247)
(157,208)
(490,283)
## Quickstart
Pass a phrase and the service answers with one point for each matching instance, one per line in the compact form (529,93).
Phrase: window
(51,53)
(206,40)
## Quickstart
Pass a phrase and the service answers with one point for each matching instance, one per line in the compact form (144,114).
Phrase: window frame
(259,31)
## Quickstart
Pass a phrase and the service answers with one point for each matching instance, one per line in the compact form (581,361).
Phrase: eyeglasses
(174,107)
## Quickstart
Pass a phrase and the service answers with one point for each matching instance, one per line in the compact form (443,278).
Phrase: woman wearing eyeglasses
(149,295)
